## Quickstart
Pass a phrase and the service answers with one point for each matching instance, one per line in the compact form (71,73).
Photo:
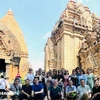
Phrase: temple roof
(10,12)
(8,39)
(10,21)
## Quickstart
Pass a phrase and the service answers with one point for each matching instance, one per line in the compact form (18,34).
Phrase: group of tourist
(53,85)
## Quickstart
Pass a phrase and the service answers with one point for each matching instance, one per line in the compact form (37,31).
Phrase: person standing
(55,75)
(30,76)
(66,79)
(82,75)
(74,78)
(40,74)
(90,78)
(60,79)
(48,77)
(48,81)
(63,71)
(36,74)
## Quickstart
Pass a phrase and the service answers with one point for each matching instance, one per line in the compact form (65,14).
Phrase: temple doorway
(2,67)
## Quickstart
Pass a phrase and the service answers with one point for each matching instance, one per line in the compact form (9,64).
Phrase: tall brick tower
(67,36)
(10,22)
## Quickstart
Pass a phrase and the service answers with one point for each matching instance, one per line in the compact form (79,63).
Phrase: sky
(36,19)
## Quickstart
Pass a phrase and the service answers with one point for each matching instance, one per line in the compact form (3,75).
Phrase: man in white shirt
(7,83)
(2,86)
(83,90)
(2,83)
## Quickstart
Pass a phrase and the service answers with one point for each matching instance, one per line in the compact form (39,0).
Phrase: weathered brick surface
(74,22)
(10,22)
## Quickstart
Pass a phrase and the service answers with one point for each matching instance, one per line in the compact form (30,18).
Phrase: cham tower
(14,56)
(69,37)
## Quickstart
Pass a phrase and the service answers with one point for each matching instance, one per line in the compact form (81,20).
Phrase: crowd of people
(53,85)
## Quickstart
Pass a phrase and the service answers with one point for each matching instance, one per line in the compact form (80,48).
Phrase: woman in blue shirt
(90,78)
(82,75)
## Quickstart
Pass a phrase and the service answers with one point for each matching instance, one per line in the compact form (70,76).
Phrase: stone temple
(75,40)
(13,50)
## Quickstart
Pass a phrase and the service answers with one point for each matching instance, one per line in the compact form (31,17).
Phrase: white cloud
(48,34)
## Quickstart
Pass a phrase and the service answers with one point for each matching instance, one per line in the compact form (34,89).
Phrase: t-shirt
(37,88)
(81,90)
(83,76)
(16,89)
(2,83)
(27,89)
(61,77)
(40,77)
(54,91)
(74,79)
(30,77)
(55,77)
(69,89)
(96,90)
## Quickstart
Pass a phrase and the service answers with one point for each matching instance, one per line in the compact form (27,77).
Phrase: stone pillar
(7,70)
(67,53)
(11,71)
(59,55)
(62,52)
(76,49)
(14,72)
(46,58)
(72,53)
